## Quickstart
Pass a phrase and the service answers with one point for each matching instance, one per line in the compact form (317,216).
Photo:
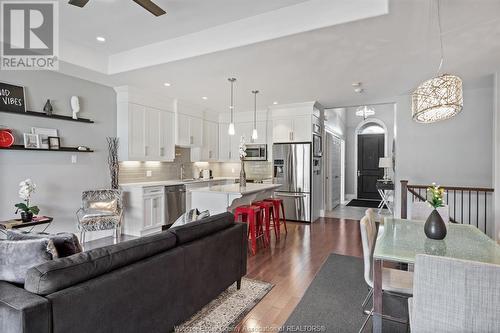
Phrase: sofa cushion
(62,273)
(17,257)
(202,228)
(66,243)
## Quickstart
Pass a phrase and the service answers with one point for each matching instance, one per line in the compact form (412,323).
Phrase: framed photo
(54,143)
(31,141)
(44,134)
(12,97)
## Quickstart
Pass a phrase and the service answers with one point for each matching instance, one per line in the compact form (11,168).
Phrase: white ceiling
(390,54)
(126,25)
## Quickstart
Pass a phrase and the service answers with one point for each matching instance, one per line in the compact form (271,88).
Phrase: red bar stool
(252,215)
(268,210)
(277,204)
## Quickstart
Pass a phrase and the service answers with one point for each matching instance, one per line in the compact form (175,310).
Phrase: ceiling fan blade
(150,6)
(78,3)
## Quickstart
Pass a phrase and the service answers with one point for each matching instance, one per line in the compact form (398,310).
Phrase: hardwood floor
(291,264)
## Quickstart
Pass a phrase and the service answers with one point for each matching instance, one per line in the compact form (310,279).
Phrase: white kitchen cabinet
(292,129)
(210,141)
(302,129)
(146,134)
(196,131)
(135,132)
(144,210)
(189,131)
(282,129)
(183,133)
(224,143)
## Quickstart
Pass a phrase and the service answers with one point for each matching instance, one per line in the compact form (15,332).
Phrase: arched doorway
(371,144)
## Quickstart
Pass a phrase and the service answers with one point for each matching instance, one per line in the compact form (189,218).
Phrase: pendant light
(255,135)
(230,130)
(439,98)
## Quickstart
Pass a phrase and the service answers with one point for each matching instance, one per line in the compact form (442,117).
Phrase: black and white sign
(12,98)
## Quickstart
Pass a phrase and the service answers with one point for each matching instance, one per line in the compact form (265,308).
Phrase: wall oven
(256,152)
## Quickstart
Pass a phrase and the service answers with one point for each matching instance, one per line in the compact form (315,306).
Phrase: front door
(370,149)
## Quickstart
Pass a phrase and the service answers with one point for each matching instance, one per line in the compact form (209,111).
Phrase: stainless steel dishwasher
(175,202)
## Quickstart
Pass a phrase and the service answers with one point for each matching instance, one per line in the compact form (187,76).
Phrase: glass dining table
(401,240)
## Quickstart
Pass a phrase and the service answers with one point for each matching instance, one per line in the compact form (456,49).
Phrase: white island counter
(222,198)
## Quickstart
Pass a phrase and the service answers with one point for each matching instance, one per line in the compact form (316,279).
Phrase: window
(371,128)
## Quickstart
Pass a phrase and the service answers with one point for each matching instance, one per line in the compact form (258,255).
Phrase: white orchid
(243,148)
(26,189)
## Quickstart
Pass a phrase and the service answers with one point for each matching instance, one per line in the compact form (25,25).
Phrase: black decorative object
(26,216)
(48,108)
(113,164)
(12,98)
(434,227)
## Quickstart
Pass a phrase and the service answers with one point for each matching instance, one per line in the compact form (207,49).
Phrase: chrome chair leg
(367,298)
(370,313)
(82,238)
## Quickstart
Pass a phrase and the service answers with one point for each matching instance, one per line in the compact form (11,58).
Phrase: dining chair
(453,295)
(421,210)
(394,282)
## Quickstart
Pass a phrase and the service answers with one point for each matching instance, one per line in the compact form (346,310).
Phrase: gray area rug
(227,310)
(332,303)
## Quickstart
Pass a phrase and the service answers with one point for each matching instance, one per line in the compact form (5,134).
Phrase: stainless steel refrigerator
(292,167)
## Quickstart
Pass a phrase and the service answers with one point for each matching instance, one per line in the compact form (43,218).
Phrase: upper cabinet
(294,122)
(189,131)
(146,134)
(292,129)
(146,131)
(210,150)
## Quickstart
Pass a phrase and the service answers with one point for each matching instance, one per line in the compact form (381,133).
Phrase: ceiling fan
(149,5)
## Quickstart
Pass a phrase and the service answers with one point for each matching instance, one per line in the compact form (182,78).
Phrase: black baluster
(469,206)
(477,209)
(454,205)
(462,204)
(485,210)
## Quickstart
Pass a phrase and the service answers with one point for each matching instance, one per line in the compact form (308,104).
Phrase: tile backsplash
(135,172)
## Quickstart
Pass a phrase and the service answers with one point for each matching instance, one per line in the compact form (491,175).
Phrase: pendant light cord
(440,37)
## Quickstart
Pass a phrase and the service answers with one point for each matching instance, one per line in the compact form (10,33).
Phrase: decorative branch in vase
(435,227)
(26,189)
(243,154)
(114,166)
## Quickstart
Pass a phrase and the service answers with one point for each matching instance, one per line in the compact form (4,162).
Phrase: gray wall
(385,113)
(457,151)
(59,182)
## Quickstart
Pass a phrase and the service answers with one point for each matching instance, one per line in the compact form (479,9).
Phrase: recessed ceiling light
(100,39)
(204,97)
(275,103)
(166,84)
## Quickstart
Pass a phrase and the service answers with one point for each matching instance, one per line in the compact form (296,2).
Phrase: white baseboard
(349,197)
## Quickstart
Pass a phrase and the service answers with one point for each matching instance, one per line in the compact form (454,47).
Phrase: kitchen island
(222,198)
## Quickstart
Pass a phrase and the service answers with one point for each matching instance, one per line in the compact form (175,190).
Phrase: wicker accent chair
(101,210)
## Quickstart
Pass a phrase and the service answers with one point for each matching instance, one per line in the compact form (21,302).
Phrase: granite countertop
(175,182)
(236,189)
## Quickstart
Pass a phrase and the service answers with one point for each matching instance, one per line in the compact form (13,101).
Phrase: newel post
(404,199)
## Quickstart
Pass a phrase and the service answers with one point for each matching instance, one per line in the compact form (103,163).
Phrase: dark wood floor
(290,264)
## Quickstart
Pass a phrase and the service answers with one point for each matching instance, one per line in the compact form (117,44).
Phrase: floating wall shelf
(61,149)
(53,116)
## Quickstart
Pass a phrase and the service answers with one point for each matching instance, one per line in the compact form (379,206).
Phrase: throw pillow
(66,243)
(190,216)
(16,257)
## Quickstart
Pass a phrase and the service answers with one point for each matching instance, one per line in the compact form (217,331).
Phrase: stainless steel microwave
(256,152)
